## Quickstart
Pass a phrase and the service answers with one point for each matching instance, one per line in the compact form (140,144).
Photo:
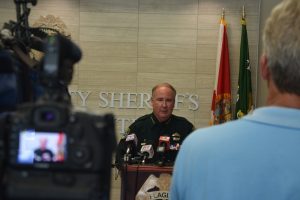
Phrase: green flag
(244,103)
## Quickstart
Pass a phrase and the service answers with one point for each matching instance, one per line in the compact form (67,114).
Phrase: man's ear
(264,69)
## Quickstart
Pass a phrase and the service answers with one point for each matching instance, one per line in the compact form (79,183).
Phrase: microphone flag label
(164,138)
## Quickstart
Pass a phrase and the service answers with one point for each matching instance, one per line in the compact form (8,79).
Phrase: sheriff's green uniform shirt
(148,130)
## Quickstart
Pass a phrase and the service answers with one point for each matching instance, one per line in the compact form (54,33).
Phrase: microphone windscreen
(164,141)
(132,138)
(71,50)
(147,150)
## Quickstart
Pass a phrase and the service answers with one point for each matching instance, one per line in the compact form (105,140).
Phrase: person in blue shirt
(257,156)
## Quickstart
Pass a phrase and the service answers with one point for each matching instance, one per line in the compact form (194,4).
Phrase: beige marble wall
(129,46)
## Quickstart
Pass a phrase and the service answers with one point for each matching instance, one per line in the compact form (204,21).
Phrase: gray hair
(164,85)
(281,39)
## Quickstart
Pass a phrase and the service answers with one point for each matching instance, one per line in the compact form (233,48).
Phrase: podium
(134,177)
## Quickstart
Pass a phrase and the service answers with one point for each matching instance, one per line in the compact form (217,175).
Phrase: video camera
(50,151)
(19,76)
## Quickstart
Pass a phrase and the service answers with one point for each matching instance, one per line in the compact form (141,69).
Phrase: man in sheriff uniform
(161,122)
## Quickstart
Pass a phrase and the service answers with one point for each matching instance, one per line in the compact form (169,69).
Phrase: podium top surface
(148,168)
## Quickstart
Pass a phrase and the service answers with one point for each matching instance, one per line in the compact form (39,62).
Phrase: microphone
(147,151)
(174,147)
(163,144)
(162,148)
(57,64)
(131,143)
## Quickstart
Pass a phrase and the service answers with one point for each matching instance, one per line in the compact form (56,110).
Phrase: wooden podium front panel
(134,176)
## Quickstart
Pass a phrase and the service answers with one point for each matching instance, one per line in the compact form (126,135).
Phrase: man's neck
(277,98)
(161,121)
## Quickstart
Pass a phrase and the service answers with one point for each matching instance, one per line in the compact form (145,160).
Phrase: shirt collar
(279,116)
(154,120)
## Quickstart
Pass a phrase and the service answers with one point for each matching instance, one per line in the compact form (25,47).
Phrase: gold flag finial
(244,14)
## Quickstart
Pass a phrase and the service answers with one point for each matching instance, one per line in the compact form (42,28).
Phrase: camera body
(48,150)
(76,159)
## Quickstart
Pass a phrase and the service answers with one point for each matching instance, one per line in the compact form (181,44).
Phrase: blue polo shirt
(254,158)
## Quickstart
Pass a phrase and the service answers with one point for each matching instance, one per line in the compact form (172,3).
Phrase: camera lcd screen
(41,147)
